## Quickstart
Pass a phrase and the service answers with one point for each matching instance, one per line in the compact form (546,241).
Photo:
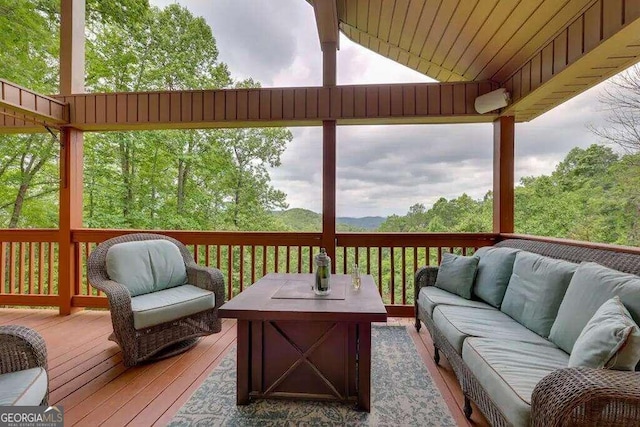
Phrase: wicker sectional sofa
(516,371)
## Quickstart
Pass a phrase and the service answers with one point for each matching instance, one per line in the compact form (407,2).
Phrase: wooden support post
(329,159)
(503,174)
(329,189)
(72,21)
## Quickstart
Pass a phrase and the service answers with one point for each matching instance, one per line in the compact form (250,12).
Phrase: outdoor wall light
(493,100)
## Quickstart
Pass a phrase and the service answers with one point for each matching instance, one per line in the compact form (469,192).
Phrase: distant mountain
(367,222)
(306,220)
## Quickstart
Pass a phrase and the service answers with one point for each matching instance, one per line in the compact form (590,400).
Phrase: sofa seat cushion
(146,266)
(509,371)
(430,296)
(459,323)
(23,388)
(170,304)
(536,289)
(591,286)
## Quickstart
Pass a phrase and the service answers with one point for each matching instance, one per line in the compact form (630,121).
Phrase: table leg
(364,366)
(242,397)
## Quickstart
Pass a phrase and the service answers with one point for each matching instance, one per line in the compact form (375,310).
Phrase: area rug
(403,394)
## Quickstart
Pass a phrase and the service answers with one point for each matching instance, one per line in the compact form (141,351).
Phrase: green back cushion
(592,285)
(494,271)
(536,289)
(456,274)
(611,339)
(146,266)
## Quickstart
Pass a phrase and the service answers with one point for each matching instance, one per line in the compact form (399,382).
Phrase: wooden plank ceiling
(502,41)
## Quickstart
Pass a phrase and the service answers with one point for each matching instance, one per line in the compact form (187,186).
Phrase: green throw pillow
(611,339)
(456,274)
(494,271)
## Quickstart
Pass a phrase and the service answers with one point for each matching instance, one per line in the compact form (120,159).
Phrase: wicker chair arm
(119,299)
(583,396)
(21,348)
(208,278)
(425,276)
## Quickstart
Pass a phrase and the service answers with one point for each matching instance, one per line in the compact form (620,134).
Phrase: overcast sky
(382,170)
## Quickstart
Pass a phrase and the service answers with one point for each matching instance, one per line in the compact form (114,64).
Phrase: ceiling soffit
(454,40)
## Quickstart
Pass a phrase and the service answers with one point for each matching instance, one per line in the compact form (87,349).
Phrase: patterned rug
(403,394)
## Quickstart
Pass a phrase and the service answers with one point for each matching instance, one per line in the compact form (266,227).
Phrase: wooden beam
(598,44)
(71,152)
(29,106)
(503,174)
(326,13)
(72,22)
(412,103)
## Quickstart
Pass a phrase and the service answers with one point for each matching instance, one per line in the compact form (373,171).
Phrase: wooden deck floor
(88,378)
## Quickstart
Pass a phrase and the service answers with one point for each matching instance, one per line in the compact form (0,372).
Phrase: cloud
(382,170)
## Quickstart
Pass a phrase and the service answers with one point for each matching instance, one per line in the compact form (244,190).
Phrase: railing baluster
(393,274)
(3,265)
(264,260)
(310,259)
(32,273)
(404,275)
(218,256)
(40,268)
(12,268)
(276,250)
(253,264)
(380,270)
(51,263)
(368,260)
(196,249)
(344,261)
(207,255)
(230,269)
(241,267)
(21,269)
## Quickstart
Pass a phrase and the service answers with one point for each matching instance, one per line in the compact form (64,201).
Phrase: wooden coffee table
(293,344)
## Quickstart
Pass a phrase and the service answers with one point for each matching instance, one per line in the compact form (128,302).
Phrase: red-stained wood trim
(30,300)
(89,301)
(503,174)
(398,310)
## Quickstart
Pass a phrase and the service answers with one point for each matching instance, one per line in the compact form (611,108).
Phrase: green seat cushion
(591,286)
(494,271)
(456,274)
(611,339)
(536,288)
(23,388)
(146,266)
(170,304)
(509,371)
(460,323)
(430,296)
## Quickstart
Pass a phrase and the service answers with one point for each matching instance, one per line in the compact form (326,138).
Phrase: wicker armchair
(161,340)
(22,348)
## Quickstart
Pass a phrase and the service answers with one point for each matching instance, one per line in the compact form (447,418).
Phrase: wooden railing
(30,260)
(28,272)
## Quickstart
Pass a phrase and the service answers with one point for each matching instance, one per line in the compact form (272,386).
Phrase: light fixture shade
(493,100)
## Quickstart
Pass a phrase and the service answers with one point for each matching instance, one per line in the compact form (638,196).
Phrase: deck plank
(88,378)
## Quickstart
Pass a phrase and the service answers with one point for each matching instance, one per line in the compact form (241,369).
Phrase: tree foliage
(188,179)
(591,195)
